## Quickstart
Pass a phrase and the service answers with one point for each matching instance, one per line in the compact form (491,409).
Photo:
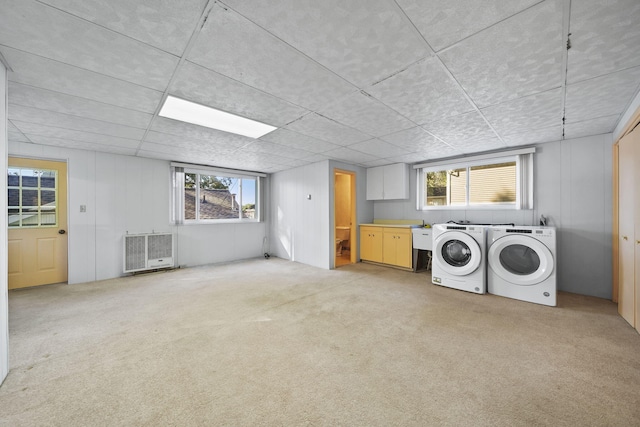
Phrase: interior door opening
(344,214)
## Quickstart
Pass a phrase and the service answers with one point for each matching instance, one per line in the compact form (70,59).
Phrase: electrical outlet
(83,208)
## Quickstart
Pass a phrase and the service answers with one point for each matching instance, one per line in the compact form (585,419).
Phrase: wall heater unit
(147,251)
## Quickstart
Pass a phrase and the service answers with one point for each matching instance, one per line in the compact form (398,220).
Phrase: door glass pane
(14,217)
(30,216)
(29,178)
(13,197)
(13,177)
(29,197)
(520,259)
(456,253)
(48,216)
(48,179)
(47,198)
(493,184)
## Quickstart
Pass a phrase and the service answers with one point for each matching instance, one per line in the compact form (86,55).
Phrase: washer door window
(521,260)
(459,253)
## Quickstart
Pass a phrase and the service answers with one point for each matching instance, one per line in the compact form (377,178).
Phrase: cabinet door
(371,244)
(389,246)
(404,249)
(396,181)
(375,182)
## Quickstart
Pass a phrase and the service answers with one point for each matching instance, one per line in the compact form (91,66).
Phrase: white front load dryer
(459,257)
(522,263)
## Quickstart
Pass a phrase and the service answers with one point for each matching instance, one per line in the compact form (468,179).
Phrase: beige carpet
(271,342)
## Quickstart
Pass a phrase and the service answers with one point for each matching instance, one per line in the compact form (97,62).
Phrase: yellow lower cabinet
(371,243)
(397,247)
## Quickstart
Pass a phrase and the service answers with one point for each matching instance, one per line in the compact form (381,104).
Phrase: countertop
(392,225)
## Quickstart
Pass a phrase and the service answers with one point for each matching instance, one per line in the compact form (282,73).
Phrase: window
(502,182)
(32,197)
(215,195)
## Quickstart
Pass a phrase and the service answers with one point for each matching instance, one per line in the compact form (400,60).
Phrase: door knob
(61,231)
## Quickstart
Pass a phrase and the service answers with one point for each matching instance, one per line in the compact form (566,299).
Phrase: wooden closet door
(635,140)
(627,169)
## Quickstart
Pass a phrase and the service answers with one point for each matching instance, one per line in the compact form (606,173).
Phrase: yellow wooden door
(37,221)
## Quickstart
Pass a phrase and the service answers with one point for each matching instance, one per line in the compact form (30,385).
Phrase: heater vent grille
(147,251)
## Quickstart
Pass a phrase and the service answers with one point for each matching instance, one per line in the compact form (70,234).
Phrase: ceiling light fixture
(197,114)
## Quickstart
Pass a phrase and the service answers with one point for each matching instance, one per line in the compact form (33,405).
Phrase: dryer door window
(457,253)
(519,259)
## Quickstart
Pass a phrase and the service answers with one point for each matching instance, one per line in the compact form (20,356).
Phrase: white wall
(4,298)
(301,228)
(131,194)
(572,188)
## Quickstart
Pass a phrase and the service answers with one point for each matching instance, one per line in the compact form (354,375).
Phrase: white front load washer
(522,263)
(459,257)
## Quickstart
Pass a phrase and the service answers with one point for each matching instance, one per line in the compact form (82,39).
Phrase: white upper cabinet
(388,182)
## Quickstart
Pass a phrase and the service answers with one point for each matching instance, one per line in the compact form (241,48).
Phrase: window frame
(178,171)
(524,180)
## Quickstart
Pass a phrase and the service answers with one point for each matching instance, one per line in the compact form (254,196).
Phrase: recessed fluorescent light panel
(197,114)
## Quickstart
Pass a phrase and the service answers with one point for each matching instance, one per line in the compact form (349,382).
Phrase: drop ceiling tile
(422,93)
(361,43)
(538,136)
(207,87)
(407,158)
(377,162)
(261,146)
(591,127)
(18,113)
(192,152)
(350,156)
(237,48)
(378,148)
(17,137)
(34,130)
(260,159)
(443,23)
(11,127)
(605,37)
(167,25)
(326,129)
(527,113)
(466,132)
(315,158)
(514,58)
(601,96)
(186,130)
(28,96)
(42,30)
(298,141)
(80,145)
(218,145)
(367,115)
(44,73)
(417,140)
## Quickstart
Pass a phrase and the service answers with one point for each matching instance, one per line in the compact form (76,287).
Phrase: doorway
(344,215)
(37,222)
